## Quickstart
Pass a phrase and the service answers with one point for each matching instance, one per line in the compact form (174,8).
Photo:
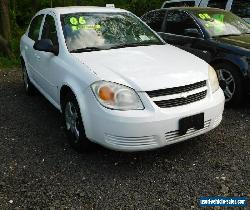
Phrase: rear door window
(241,8)
(35,27)
(217,3)
(155,19)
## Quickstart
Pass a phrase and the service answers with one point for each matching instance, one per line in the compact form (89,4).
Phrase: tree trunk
(5,19)
(78,2)
(4,46)
(5,28)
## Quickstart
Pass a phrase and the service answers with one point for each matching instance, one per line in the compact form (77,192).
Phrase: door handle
(37,57)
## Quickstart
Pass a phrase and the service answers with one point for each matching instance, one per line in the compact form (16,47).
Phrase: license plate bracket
(195,121)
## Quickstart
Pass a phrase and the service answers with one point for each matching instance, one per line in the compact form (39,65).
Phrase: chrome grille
(181,101)
(176,90)
(121,141)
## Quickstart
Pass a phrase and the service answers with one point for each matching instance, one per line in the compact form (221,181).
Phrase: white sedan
(116,82)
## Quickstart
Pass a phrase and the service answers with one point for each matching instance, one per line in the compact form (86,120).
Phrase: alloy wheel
(72,120)
(227,83)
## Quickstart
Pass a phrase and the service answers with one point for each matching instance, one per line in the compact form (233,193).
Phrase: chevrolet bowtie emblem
(184,95)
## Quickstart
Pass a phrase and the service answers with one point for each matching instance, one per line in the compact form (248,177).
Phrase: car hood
(242,41)
(146,68)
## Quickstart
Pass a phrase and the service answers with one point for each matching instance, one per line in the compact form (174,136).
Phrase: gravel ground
(39,169)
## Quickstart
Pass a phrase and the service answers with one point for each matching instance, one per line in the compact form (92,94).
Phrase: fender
(81,100)
(237,61)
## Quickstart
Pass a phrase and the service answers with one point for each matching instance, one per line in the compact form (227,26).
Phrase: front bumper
(147,129)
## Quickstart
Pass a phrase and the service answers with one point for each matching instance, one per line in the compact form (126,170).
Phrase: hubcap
(227,83)
(72,120)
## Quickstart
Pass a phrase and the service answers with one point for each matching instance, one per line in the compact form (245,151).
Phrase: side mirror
(45,45)
(193,32)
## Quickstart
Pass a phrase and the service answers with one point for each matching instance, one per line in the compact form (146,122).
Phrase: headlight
(115,96)
(213,79)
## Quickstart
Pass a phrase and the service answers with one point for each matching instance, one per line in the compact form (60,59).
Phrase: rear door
(32,60)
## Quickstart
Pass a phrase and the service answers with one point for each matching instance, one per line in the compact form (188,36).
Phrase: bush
(8,62)
(22,11)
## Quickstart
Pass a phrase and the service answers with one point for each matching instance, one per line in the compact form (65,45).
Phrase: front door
(180,29)
(48,66)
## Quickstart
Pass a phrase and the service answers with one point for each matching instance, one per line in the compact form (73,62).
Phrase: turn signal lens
(106,94)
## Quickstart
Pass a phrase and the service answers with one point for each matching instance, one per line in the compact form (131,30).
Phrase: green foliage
(6,62)
(25,9)
(21,13)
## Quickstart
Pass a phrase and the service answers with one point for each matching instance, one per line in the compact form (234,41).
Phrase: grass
(8,63)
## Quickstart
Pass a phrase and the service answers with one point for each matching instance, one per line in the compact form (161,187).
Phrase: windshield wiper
(124,46)
(148,43)
(225,35)
(86,49)
(134,45)
(89,49)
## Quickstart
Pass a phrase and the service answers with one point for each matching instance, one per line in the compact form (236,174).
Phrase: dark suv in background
(238,7)
(217,36)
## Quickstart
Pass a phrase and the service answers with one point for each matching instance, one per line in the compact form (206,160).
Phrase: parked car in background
(238,7)
(223,36)
(108,73)
(180,3)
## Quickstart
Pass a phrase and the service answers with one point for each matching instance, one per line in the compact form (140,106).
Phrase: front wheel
(74,125)
(231,83)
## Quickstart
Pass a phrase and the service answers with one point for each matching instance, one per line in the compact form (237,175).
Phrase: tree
(5,28)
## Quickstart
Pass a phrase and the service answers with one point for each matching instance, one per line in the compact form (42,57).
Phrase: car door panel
(196,46)
(29,40)
(48,62)
(47,73)
(177,40)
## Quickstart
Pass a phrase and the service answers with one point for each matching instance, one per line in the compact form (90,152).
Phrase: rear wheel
(231,83)
(74,125)
(28,86)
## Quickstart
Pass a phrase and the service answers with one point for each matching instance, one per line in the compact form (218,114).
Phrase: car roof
(78,9)
(194,9)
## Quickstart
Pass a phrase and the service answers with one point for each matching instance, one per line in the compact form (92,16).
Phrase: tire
(74,125)
(231,83)
(29,88)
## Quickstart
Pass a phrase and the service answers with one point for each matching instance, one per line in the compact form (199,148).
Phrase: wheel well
(63,92)
(22,61)
(229,63)
(213,63)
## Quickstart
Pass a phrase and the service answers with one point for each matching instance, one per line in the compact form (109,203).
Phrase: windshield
(102,31)
(222,23)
